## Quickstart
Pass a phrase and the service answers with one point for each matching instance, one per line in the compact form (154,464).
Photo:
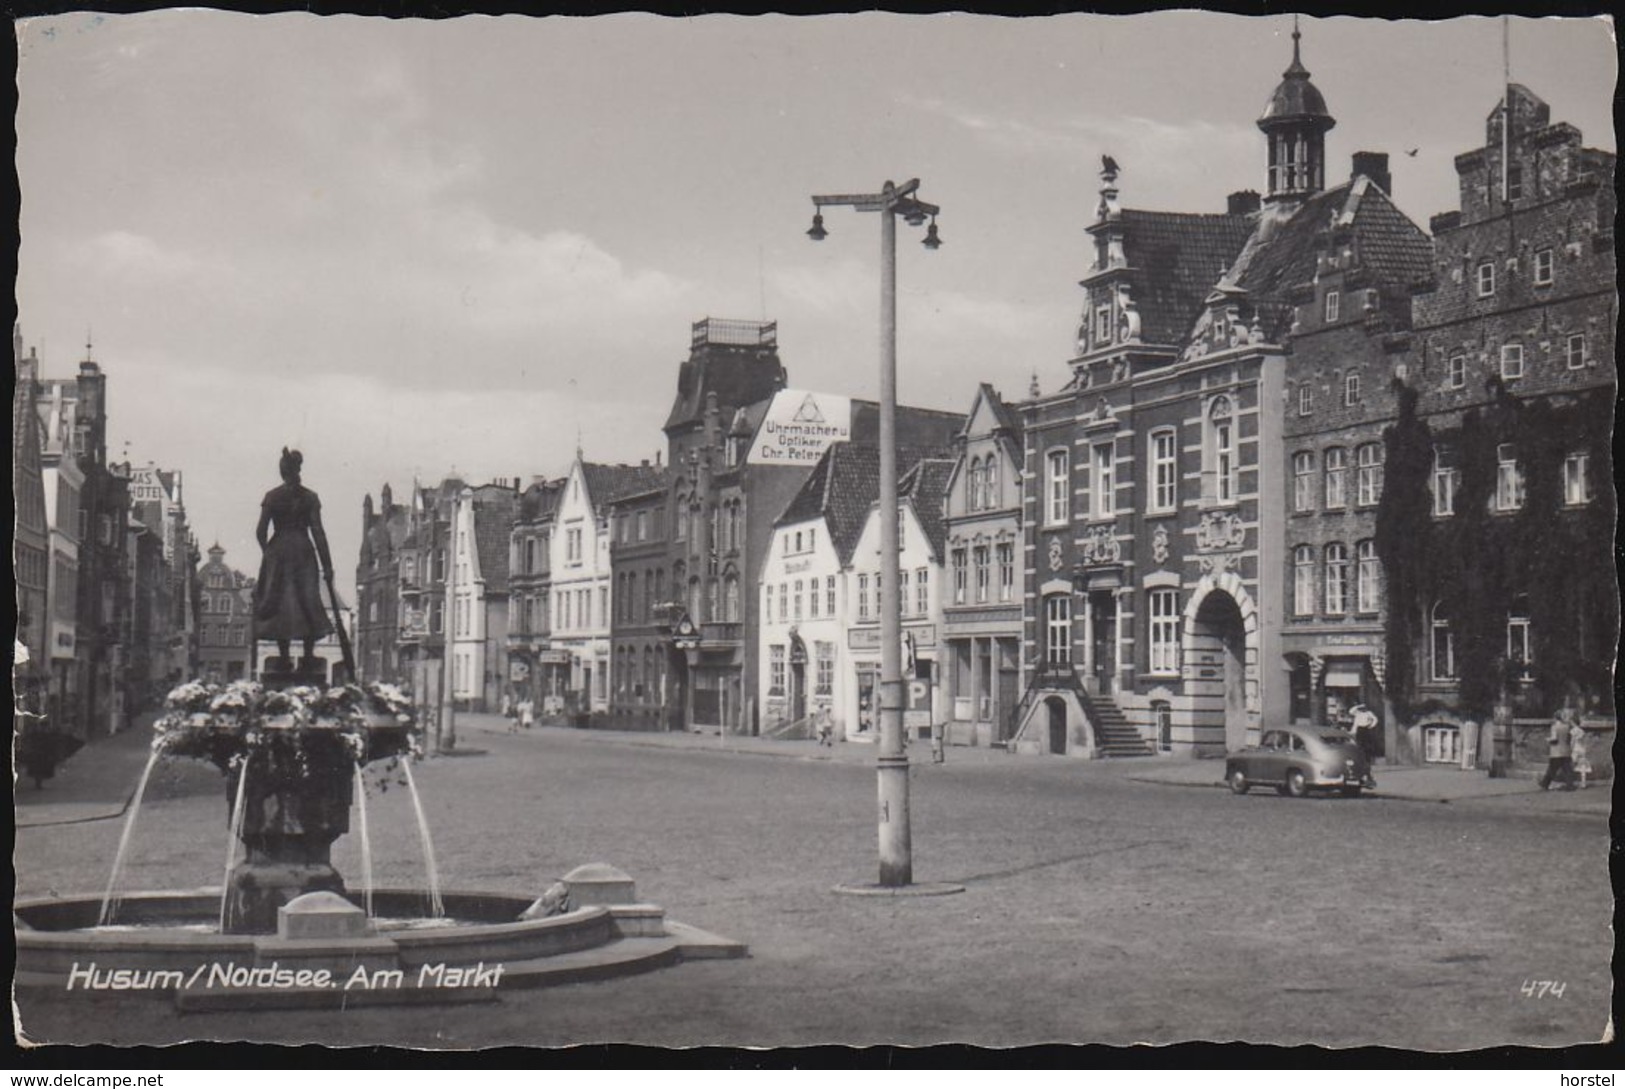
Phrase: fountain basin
(483,946)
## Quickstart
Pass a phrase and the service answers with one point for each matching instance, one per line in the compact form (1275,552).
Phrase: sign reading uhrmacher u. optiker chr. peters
(800,426)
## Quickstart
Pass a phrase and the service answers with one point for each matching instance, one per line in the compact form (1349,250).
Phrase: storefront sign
(799,426)
(925,635)
(554,657)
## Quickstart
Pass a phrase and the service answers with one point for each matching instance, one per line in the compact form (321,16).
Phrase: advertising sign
(799,427)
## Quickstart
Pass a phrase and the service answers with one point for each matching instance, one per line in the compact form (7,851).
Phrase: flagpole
(1506,106)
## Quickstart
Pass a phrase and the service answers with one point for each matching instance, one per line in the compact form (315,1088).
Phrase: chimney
(1374,165)
(1243,202)
(657,459)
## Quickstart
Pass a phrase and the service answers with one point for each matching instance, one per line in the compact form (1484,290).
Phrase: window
(1164,471)
(643,525)
(877,595)
(959,557)
(1056,488)
(1446,478)
(713,600)
(796,599)
(1508,478)
(922,591)
(980,552)
(572,545)
(1512,361)
(1520,650)
(1058,629)
(1303,581)
(1332,306)
(1351,389)
(603,606)
(775,670)
(1457,377)
(1368,578)
(1222,450)
(1104,482)
(812,599)
(1007,570)
(784,599)
(681,526)
(1577,478)
(1369,480)
(731,599)
(1441,744)
(824,670)
(1306,399)
(1303,481)
(1337,579)
(1164,631)
(829,595)
(902,594)
(1103,324)
(1443,645)
(1574,351)
(990,481)
(1543,267)
(863,597)
(1486,279)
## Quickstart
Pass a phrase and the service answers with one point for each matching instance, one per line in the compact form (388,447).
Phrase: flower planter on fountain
(289,756)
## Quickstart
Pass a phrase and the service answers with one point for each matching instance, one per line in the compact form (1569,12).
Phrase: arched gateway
(1221,655)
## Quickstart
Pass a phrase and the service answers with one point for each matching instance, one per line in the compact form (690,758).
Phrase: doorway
(1056,707)
(1103,639)
(1219,639)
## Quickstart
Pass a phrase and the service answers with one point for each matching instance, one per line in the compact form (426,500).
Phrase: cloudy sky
(414,247)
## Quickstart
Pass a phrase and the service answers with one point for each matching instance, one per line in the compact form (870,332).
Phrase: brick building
(1498,560)
(421,634)
(225,633)
(639,518)
(536,669)
(378,575)
(1155,479)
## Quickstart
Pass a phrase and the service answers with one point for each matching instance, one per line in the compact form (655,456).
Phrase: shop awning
(1344,677)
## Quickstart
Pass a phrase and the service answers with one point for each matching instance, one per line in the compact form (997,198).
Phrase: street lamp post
(896,850)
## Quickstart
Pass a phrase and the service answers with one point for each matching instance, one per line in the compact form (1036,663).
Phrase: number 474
(1540,988)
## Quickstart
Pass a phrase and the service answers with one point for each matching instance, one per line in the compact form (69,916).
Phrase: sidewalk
(94,784)
(1419,784)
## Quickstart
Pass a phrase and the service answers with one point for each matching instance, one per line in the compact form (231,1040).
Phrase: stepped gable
(925,486)
(1175,258)
(494,508)
(1281,257)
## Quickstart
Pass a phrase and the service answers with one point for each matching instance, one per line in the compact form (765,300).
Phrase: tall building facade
(639,519)
(537,670)
(1495,531)
(226,631)
(379,570)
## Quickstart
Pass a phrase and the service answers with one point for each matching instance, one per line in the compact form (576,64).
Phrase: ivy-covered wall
(1478,561)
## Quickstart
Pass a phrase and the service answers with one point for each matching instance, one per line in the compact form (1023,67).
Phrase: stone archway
(1221,652)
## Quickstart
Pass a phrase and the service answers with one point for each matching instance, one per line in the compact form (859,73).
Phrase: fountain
(284,930)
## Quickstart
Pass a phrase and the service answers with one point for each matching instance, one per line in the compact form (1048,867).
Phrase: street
(1097,908)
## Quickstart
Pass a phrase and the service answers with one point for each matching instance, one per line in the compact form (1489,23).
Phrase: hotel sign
(145,487)
(800,426)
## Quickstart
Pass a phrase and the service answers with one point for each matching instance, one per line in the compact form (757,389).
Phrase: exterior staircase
(1114,734)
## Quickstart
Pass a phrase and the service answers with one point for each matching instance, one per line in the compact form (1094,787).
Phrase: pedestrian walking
(1559,752)
(826,729)
(527,713)
(1577,749)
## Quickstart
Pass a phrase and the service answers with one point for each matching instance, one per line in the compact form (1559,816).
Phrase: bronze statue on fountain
(295,562)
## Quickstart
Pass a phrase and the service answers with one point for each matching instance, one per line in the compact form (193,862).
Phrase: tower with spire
(1295,122)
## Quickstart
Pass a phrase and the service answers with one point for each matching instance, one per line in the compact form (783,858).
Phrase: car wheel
(1351,792)
(1238,781)
(1296,785)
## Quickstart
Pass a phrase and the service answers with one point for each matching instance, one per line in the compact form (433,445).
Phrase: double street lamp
(893,201)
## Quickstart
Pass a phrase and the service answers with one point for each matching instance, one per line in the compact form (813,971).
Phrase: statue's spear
(338,626)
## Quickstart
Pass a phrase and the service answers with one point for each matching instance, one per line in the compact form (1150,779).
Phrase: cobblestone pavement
(1098,907)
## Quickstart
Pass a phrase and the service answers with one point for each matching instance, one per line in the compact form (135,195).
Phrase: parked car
(1298,759)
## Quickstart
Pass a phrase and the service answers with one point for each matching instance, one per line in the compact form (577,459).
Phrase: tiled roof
(1282,254)
(494,510)
(607,483)
(845,484)
(539,500)
(924,487)
(1177,258)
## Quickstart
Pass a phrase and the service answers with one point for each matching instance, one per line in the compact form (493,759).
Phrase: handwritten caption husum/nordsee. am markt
(231,975)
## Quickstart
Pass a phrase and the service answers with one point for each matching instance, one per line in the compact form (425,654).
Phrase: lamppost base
(923,888)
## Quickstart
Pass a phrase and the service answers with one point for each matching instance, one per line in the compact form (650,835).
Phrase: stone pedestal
(282,672)
(296,803)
